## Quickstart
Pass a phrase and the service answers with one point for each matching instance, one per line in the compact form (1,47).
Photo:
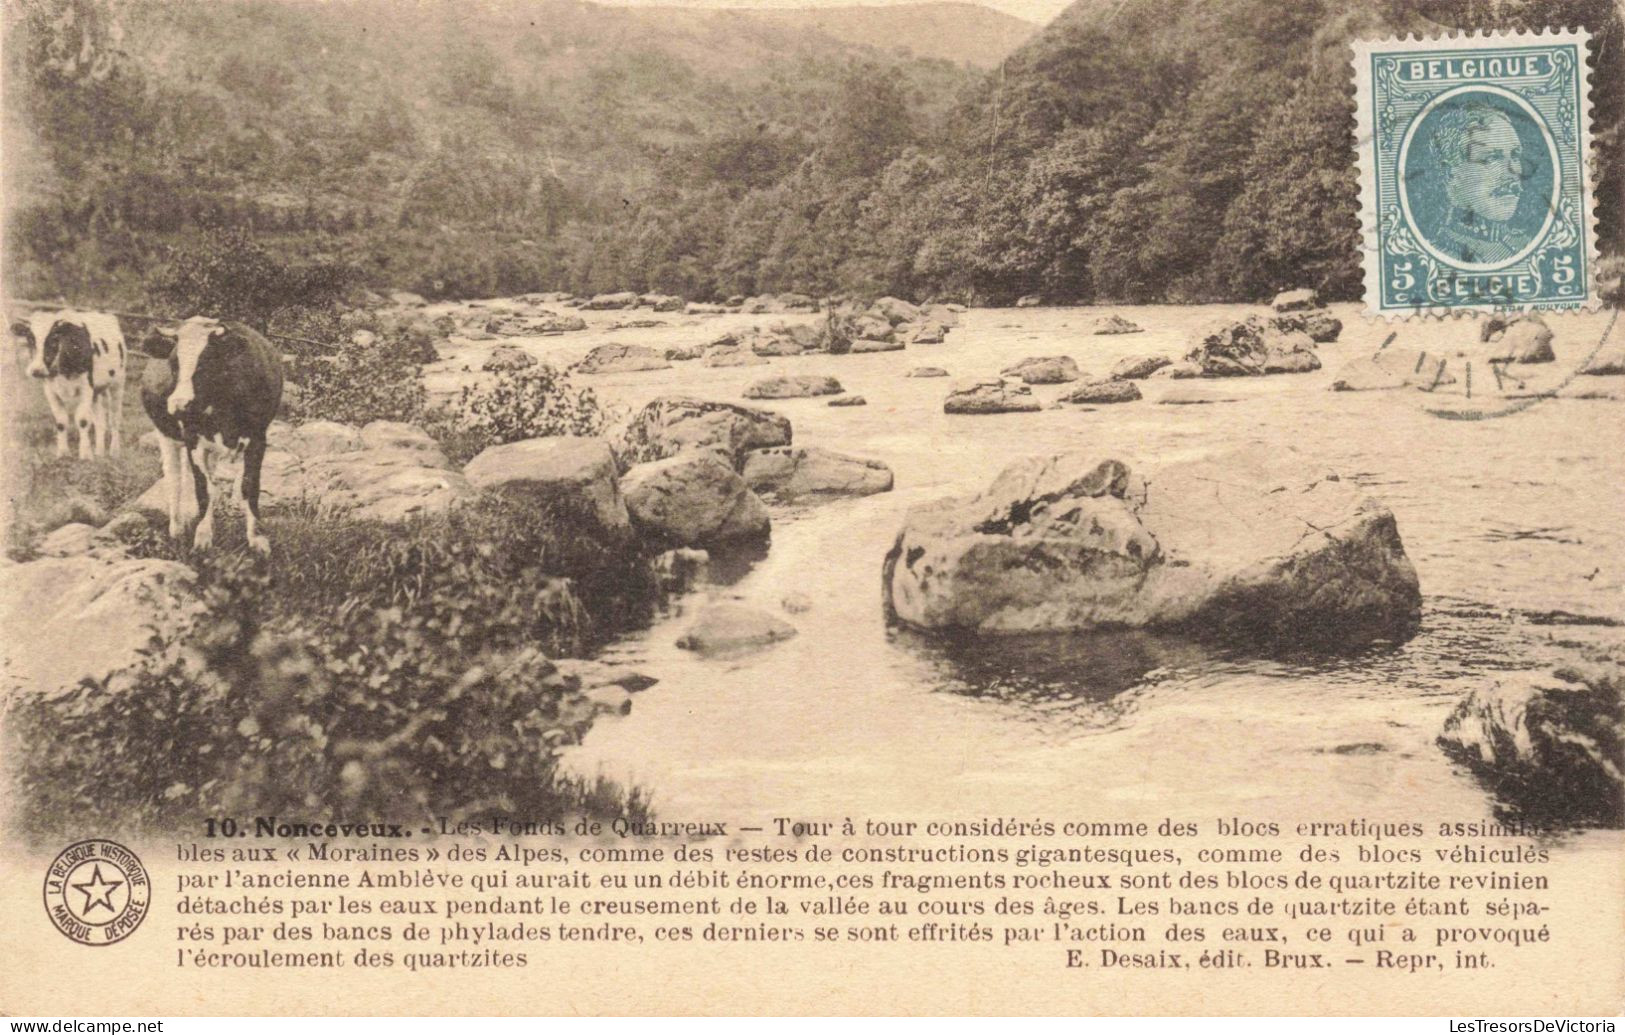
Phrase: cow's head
(194,341)
(58,343)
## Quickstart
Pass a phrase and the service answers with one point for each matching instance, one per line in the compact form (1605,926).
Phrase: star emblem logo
(98,891)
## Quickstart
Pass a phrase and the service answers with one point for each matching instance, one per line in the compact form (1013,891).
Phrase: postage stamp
(1475,186)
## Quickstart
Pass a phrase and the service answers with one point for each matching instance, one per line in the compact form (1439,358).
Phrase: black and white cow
(80,357)
(216,395)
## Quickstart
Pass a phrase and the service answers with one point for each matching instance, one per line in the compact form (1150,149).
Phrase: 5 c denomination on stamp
(1475,186)
(97,892)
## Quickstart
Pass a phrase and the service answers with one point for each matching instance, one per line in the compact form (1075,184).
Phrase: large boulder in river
(672,424)
(580,469)
(991,397)
(793,386)
(1231,348)
(69,619)
(1551,746)
(693,499)
(1044,370)
(794,473)
(620,359)
(1254,545)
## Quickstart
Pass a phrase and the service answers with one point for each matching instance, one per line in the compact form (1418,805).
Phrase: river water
(1513,524)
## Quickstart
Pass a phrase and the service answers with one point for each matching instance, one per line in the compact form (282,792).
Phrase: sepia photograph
(1002,507)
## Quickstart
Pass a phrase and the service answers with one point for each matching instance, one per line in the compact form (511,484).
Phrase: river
(1513,524)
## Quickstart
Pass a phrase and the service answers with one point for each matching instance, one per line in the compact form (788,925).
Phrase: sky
(1037,11)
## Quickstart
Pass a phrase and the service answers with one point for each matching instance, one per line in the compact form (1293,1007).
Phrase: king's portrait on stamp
(1475,184)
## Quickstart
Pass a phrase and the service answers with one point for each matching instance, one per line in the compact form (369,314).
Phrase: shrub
(514,405)
(230,275)
(389,671)
(357,383)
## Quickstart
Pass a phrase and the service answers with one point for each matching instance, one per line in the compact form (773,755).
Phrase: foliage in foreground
(368,671)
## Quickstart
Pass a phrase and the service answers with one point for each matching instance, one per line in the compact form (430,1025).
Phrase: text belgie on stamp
(1475,185)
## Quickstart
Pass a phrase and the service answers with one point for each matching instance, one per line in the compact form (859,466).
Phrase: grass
(44,491)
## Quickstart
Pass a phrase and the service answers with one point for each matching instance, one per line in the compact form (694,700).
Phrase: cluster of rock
(696,470)
(1281,342)
(888,324)
(788,302)
(1247,546)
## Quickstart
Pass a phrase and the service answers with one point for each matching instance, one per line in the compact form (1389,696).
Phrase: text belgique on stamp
(1475,185)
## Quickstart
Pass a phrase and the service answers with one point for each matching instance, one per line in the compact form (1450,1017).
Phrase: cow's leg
(248,491)
(170,451)
(86,416)
(115,416)
(59,413)
(202,464)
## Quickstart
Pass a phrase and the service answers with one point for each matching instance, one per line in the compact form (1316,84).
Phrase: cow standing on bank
(216,395)
(80,357)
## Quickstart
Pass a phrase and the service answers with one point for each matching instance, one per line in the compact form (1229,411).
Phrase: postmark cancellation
(1475,181)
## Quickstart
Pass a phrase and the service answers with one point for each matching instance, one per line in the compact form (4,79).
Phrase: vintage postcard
(540,507)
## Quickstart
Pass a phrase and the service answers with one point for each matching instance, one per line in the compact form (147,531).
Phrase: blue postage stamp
(1475,180)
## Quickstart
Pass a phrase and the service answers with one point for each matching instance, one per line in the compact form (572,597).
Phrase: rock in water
(991,397)
(613,300)
(1103,392)
(793,386)
(790,474)
(1606,361)
(693,499)
(1320,325)
(730,627)
(875,345)
(1133,368)
(1527,340)
(732,356)
(1044,370)
(1231,349)
(674,423)
(1549,745)
(1395,367)
(1294,301)
(617,359)
(849,400)
(1250,546)
(1115,324)
(581,469)
(507,357)
(1291,353)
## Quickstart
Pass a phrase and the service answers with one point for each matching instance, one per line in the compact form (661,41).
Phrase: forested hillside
(1137,150)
